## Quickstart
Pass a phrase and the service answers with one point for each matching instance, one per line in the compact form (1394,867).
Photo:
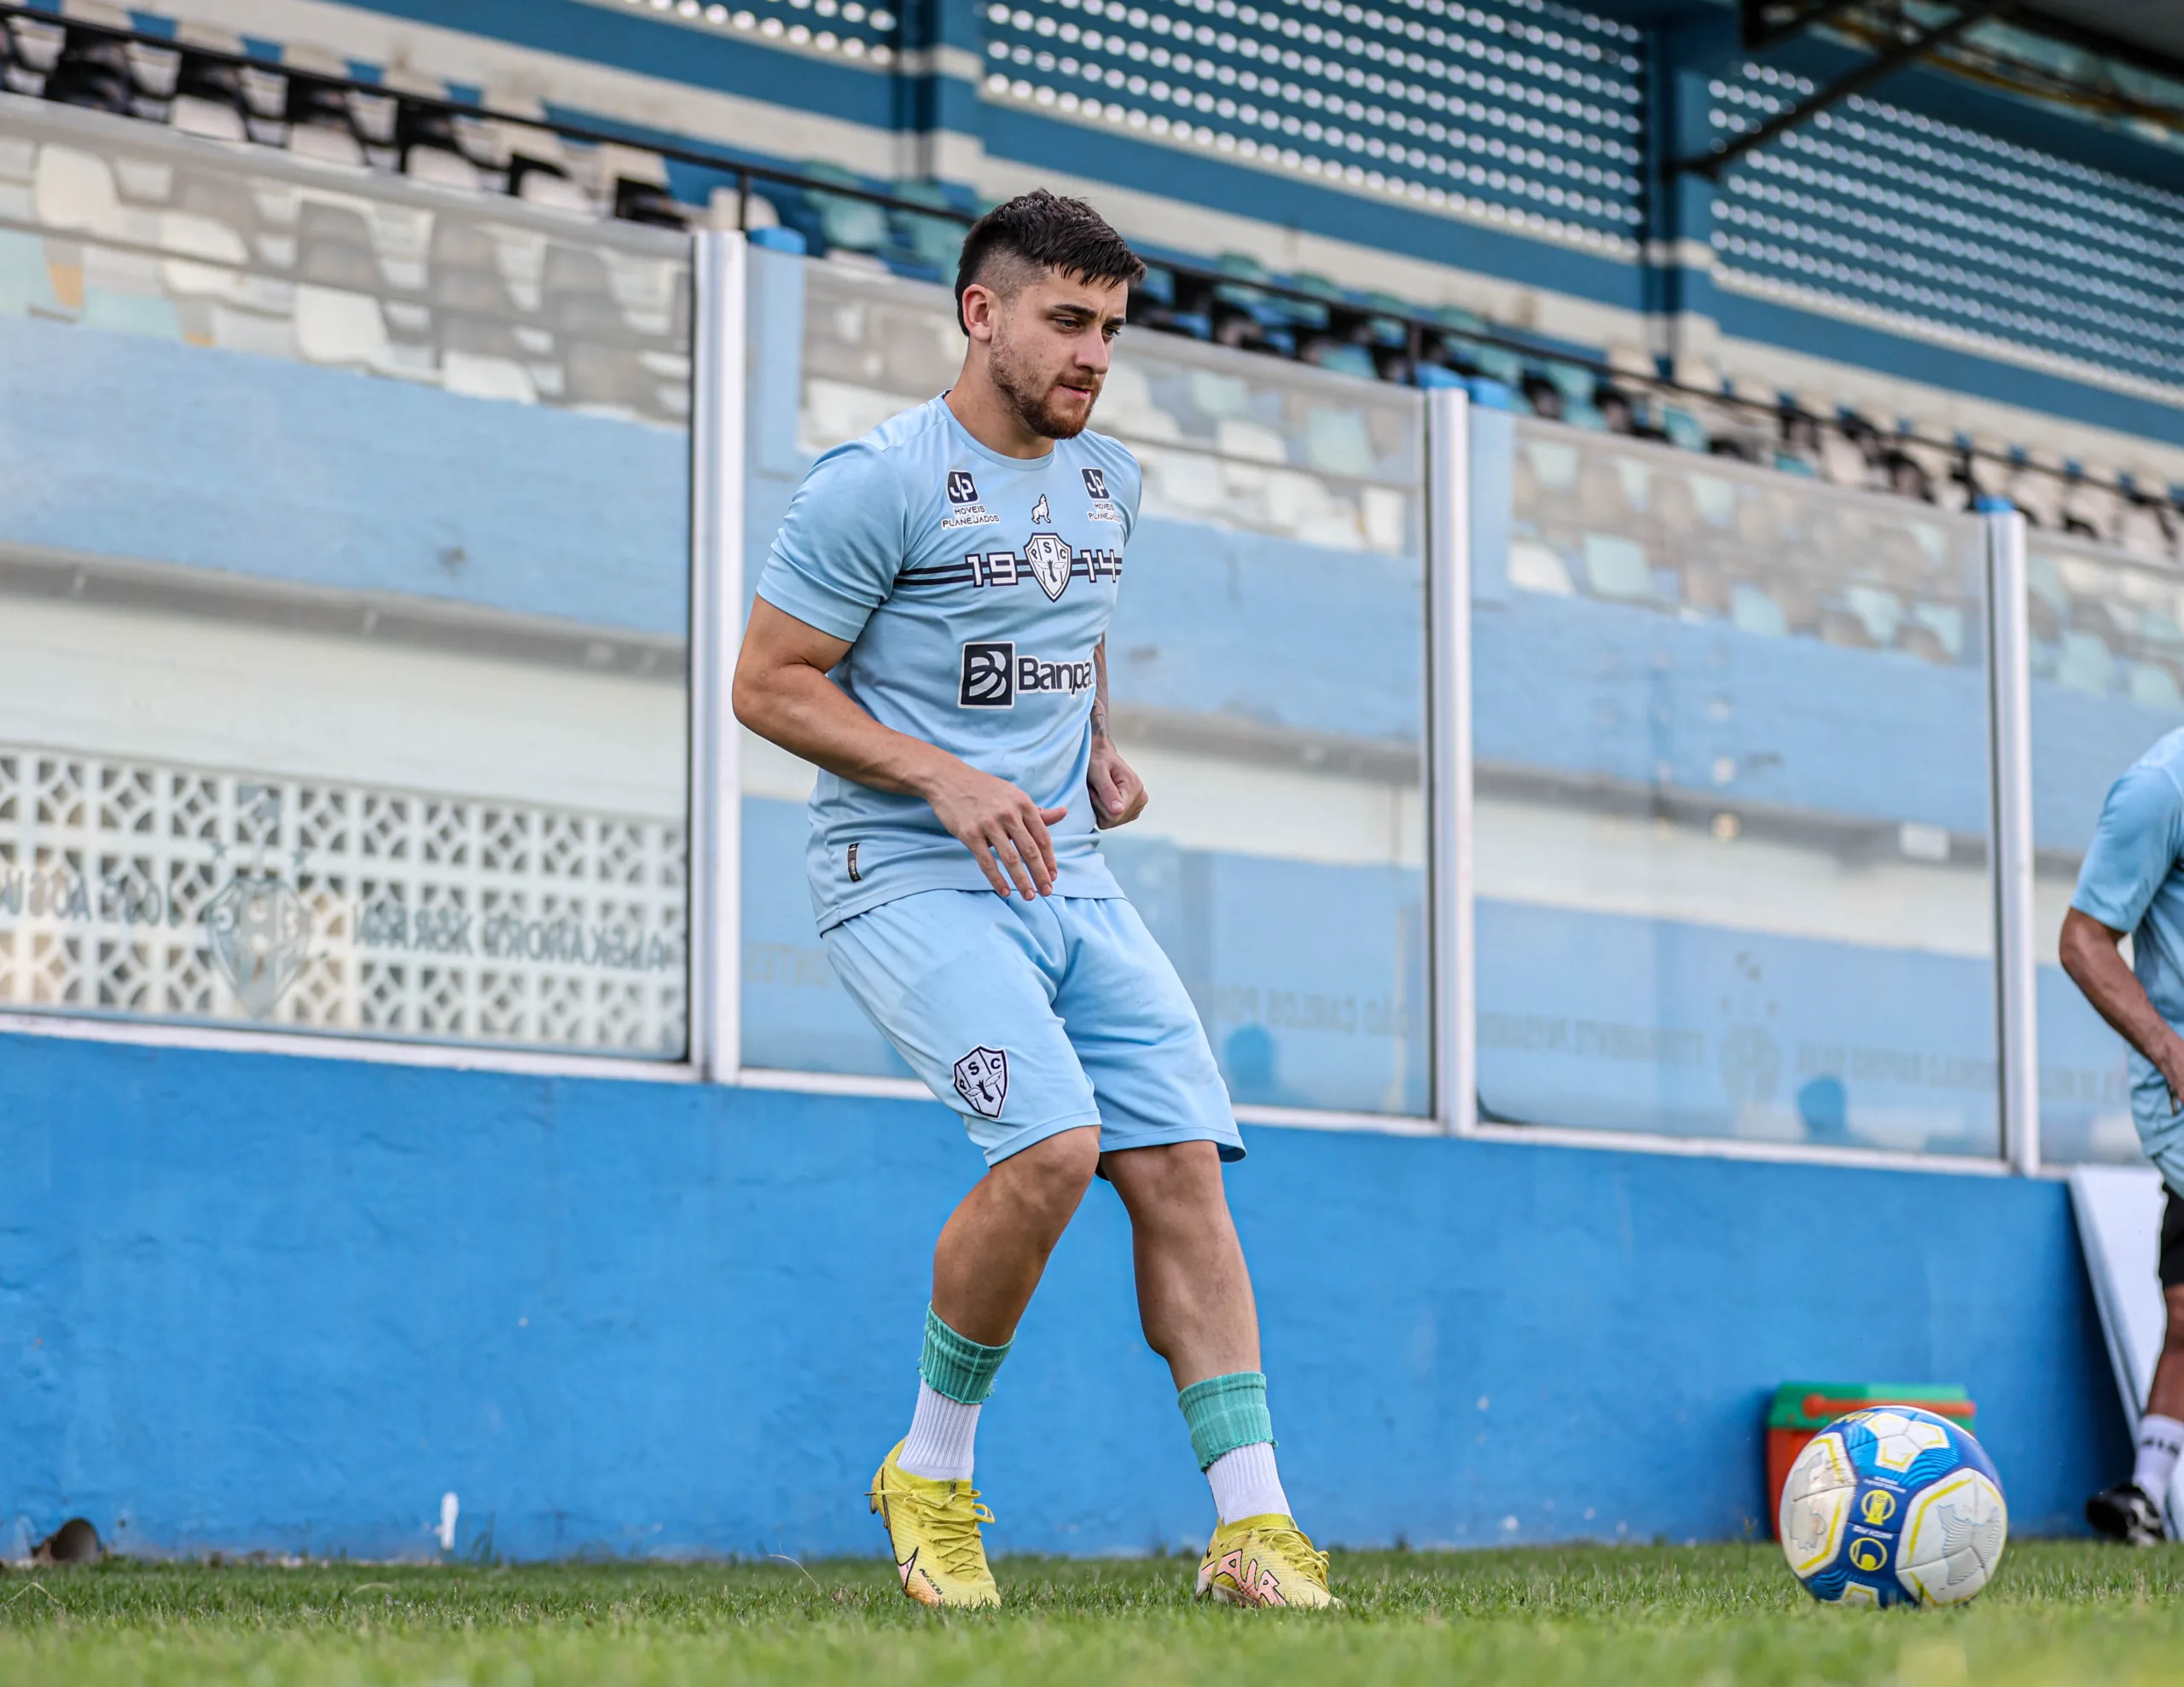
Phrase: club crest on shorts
(982,1080)
(1046,555)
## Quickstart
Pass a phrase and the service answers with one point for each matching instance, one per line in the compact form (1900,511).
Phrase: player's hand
(2173,1070)
(1004,830)
(1118,795)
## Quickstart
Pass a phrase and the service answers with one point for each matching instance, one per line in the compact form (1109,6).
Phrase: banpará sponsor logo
(995,676)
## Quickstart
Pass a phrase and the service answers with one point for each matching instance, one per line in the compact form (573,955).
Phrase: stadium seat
(2037,493)
(1338,442)
(2084,662)
(466,273)
(843,222)
(340,328)
(73,189)
(1753,611)
(1616,568)
(320,128)
(2138,530)
(334,248)
(2088,507)
(214,119)
(933,242)
(1535,568)
(36,45)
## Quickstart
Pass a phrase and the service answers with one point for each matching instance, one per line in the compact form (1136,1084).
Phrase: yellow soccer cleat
(933,1527)
(1264,1561)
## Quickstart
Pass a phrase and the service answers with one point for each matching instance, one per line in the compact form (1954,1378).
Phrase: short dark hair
(1040,230)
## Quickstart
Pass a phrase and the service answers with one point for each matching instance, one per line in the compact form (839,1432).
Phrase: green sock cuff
(1225,1413)
(957,1366)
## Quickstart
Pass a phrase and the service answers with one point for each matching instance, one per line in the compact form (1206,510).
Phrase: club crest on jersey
(1046,555)
(982,1080)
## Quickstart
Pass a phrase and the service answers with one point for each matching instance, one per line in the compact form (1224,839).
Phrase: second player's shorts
(2172,1242)
(1032,1018)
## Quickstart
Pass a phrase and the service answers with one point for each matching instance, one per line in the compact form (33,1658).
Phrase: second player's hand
(1004,830)
(1118,795)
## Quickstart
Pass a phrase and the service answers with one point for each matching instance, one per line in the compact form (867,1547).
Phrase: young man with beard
(930,629)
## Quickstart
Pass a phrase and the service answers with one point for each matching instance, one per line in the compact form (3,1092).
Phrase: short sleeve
(841,544)
(2134,849)
(1133,494)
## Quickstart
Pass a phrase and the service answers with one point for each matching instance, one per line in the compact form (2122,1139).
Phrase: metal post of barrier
(719,276)
(1449,757)
(2009,875)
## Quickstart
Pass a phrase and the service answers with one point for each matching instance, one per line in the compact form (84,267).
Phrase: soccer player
(2132,880)
(930,629)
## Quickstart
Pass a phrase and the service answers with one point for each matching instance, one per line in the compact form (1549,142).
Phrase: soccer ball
(1893,1506)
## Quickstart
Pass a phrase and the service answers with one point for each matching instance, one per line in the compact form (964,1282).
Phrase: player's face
(1051,346)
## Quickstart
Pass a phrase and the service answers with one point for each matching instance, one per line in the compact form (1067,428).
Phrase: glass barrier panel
(1731,823)
(2107,654)
(345,559)
(1266,671)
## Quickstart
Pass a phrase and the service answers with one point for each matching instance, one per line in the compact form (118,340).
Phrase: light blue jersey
(2132,880)
(972,588)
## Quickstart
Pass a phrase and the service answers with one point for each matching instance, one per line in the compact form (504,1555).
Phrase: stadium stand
(1725,606)
(1550,144)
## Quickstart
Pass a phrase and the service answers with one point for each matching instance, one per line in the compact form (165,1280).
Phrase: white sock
(2160,1440)
(1246,1484)
(939,1446)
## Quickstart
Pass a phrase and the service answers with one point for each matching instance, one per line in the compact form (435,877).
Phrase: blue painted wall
(126,446)
(256,1301)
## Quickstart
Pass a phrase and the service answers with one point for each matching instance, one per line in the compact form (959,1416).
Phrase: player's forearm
(2096,966)
(808,714)
(1100,690)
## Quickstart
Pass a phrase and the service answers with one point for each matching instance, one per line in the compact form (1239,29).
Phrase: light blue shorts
(1032,1018)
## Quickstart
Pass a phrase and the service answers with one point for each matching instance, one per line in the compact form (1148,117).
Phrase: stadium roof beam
(2142,34)
(1882,65)
(1769,23)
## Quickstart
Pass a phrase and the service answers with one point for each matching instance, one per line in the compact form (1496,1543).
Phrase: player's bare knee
(1182,1179)
(1052,1176)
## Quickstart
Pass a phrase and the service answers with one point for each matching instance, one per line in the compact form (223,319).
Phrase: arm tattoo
(1100,690)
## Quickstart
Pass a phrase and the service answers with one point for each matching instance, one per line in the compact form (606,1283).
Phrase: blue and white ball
(1893,1506)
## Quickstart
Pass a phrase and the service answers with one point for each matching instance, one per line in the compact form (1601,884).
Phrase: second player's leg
(994,1246)
(2166,1396)
(1194,1290)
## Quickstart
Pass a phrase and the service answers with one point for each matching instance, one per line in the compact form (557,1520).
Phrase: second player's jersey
(2132,880)
(973,588)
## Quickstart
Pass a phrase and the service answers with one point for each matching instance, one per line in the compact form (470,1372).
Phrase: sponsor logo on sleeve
(856,877)
(962,489)
(982,1080)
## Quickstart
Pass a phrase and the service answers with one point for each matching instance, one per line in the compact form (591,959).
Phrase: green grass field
(2057,1613)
